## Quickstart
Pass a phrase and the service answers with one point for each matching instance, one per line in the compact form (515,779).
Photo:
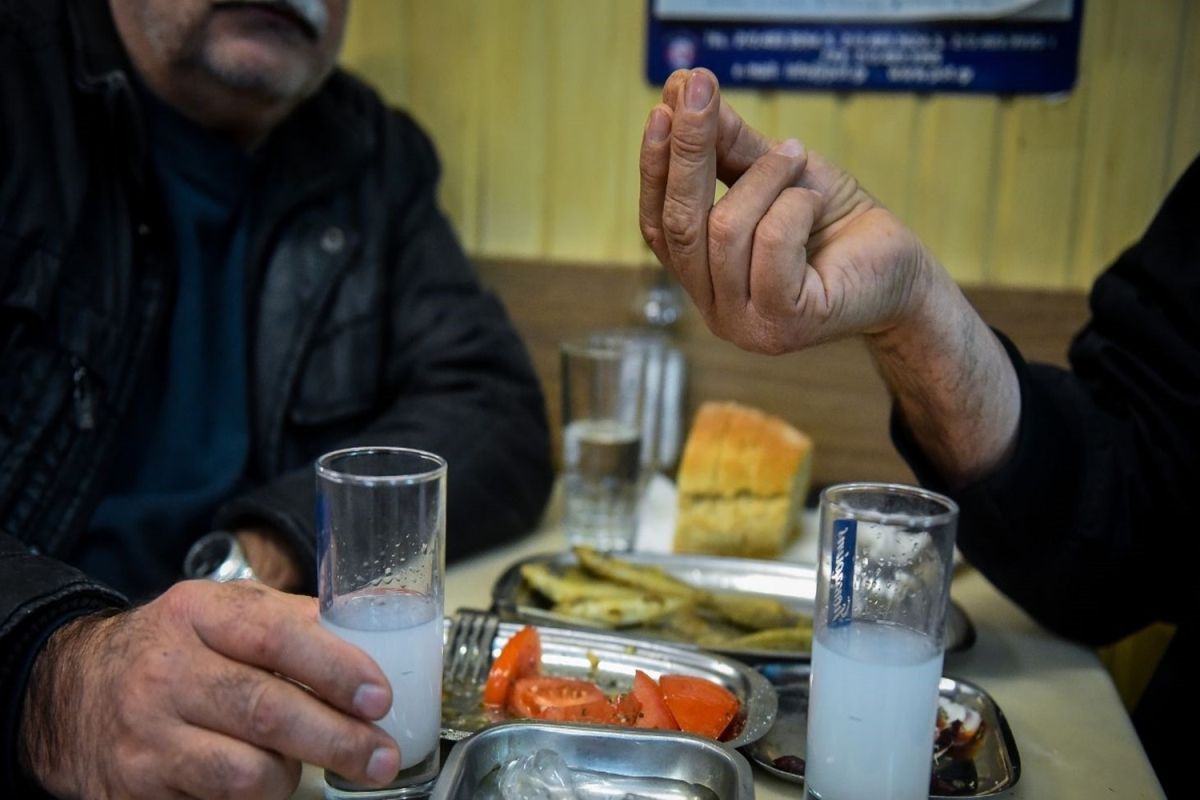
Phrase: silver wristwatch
(218,556)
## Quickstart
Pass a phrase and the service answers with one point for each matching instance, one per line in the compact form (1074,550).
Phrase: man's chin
(262,72)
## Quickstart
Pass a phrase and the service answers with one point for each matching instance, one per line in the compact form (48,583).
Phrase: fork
(469,653)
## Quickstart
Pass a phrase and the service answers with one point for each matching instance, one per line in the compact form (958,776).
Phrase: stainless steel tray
(608,659)
(628,752)
(990,765)
(792,584)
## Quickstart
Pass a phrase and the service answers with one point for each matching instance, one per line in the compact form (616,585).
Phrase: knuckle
(349,745)
(690,145)
(243,776)
(723,226)
(772,346)
(652,171)
(180,598)
(651,232)
(773,233)
(267,642)
(768,339)
(263,712)
(680,223)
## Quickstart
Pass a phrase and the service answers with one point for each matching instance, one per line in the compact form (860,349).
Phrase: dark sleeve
(37,596)
(459,380)
(1089,525)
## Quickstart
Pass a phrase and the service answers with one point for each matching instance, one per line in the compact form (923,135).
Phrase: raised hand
(795,253)
(211,690)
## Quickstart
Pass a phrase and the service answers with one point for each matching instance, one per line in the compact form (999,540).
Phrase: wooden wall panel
(515,110)
(445,94)
(537,108)
(876,145)
(588,125)
(811,117)
(1133,52)
(1037,185)
(1185,105)
(951,204)
(637,100)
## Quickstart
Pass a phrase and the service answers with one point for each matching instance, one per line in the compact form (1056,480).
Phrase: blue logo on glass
(841,574)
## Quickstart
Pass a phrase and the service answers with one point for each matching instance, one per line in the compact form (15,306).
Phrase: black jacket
(1091,525)
(366,322)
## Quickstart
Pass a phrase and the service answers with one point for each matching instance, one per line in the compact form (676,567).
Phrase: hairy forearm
(55,693)
(951,380)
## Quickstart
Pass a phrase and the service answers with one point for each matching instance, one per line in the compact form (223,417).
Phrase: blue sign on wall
(980,46)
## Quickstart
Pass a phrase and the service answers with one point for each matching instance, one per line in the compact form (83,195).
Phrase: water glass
(603,381)
(886,559)
(662,393)
(381,514)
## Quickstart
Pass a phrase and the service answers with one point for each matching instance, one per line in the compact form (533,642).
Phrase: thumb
(739,145)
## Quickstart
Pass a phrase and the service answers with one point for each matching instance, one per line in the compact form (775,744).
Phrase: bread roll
(742,481)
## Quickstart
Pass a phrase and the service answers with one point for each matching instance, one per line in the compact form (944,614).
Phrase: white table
(1075,740)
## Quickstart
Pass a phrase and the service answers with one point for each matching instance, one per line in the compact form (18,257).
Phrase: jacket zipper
(85,408)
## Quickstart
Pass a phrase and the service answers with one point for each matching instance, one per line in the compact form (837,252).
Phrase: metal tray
(608,659)
(990,765)
(792,584)
(627,752)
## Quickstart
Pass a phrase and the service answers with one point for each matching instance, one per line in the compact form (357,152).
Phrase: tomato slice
(627,709)
(600,712)
(545,697)
(520,658)
(655,713)
(699,705)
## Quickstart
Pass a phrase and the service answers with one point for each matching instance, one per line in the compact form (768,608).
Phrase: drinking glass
(381,514)
(662,393)
(884,569)
(603,380)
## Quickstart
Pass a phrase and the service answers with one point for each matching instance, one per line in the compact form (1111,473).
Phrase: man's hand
(202,693)
(795,253)
(271,557)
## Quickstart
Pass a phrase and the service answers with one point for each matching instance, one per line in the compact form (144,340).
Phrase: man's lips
(310,16)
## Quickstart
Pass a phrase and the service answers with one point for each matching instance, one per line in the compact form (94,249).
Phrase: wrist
(272,558)
(55,702)
(952,382)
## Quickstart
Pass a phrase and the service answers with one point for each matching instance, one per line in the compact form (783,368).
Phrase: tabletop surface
(1074,737)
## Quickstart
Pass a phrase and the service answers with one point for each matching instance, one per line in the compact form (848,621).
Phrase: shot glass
(381,515)
(884,568)
(603,380)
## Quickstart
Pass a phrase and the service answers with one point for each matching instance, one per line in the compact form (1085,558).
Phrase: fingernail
(659,127)
(371,701)
(384,765)
(699,91)
(790,148)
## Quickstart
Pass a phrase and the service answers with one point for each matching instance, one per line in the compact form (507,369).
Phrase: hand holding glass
(381,515)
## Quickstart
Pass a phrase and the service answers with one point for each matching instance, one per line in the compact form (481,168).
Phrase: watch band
(218,556)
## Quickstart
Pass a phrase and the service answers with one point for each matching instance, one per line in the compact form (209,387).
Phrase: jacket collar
(98,51)
(325,141)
